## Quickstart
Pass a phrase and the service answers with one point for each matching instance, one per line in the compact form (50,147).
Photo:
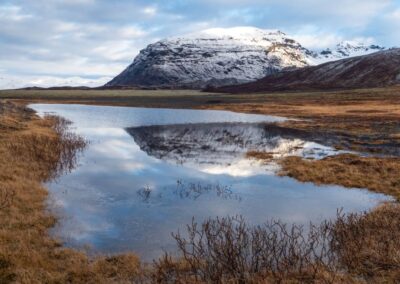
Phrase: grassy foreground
(365,248)
(32,151)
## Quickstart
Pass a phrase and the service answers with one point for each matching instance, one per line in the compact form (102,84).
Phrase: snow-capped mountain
(214,56)
(347,49)
(224,57)
(378,69)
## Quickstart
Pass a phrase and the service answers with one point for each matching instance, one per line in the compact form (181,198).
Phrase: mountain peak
(218,56)
(348,49)
(225,56)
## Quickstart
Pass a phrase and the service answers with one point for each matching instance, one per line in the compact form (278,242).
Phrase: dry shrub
(353,248)
(228,250)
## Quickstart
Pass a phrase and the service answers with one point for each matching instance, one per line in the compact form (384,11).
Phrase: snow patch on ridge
(225,56)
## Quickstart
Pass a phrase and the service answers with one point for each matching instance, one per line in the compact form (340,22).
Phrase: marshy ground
(32,151)
(366,246)
(364,120)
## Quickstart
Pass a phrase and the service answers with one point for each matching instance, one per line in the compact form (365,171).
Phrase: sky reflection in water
(121,198)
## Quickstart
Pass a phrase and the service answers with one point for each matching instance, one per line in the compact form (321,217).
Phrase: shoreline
(34,150)
(365,120)
(48,255)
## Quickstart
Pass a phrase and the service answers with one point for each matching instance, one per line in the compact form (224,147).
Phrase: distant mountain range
(373,70)
(14,82)
(219,57)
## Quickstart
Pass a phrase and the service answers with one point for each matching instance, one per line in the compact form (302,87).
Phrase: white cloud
(65,27)
(150,11)
(13,13)
(131,32)
(394,16)
(312,38)
(114,51)
(318,41)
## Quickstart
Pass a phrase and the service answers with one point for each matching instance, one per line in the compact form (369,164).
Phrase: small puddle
(147,172)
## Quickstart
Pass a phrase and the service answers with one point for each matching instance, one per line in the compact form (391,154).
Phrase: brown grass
(377,174)
(369,245)
(263,156)
(33,150)
(362,247)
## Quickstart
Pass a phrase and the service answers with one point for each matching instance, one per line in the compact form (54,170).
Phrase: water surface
(147,172)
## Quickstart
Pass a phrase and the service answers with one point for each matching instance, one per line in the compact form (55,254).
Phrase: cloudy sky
(86,42)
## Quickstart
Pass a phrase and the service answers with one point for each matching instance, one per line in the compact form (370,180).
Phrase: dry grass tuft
(262,156)
(377,174)
(369,245)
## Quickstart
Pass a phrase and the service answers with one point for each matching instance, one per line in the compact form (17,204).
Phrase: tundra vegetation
(32,151)
(348,170)
(354,248)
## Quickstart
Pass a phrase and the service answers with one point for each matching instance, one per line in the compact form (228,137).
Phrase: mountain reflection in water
(220,148)
(124,194)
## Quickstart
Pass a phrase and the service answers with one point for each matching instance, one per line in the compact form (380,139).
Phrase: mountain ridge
(218,57)
(378,69)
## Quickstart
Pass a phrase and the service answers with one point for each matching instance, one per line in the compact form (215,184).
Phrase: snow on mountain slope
(216,57)
(345,49)
(220,57)
(379,69)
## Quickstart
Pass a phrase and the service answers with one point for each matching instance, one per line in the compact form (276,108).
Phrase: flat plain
(366,121)
(363,120)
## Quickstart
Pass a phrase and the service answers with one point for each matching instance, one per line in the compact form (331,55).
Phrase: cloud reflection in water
(101,206)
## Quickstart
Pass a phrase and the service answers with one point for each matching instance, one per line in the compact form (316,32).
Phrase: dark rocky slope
(374,70)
